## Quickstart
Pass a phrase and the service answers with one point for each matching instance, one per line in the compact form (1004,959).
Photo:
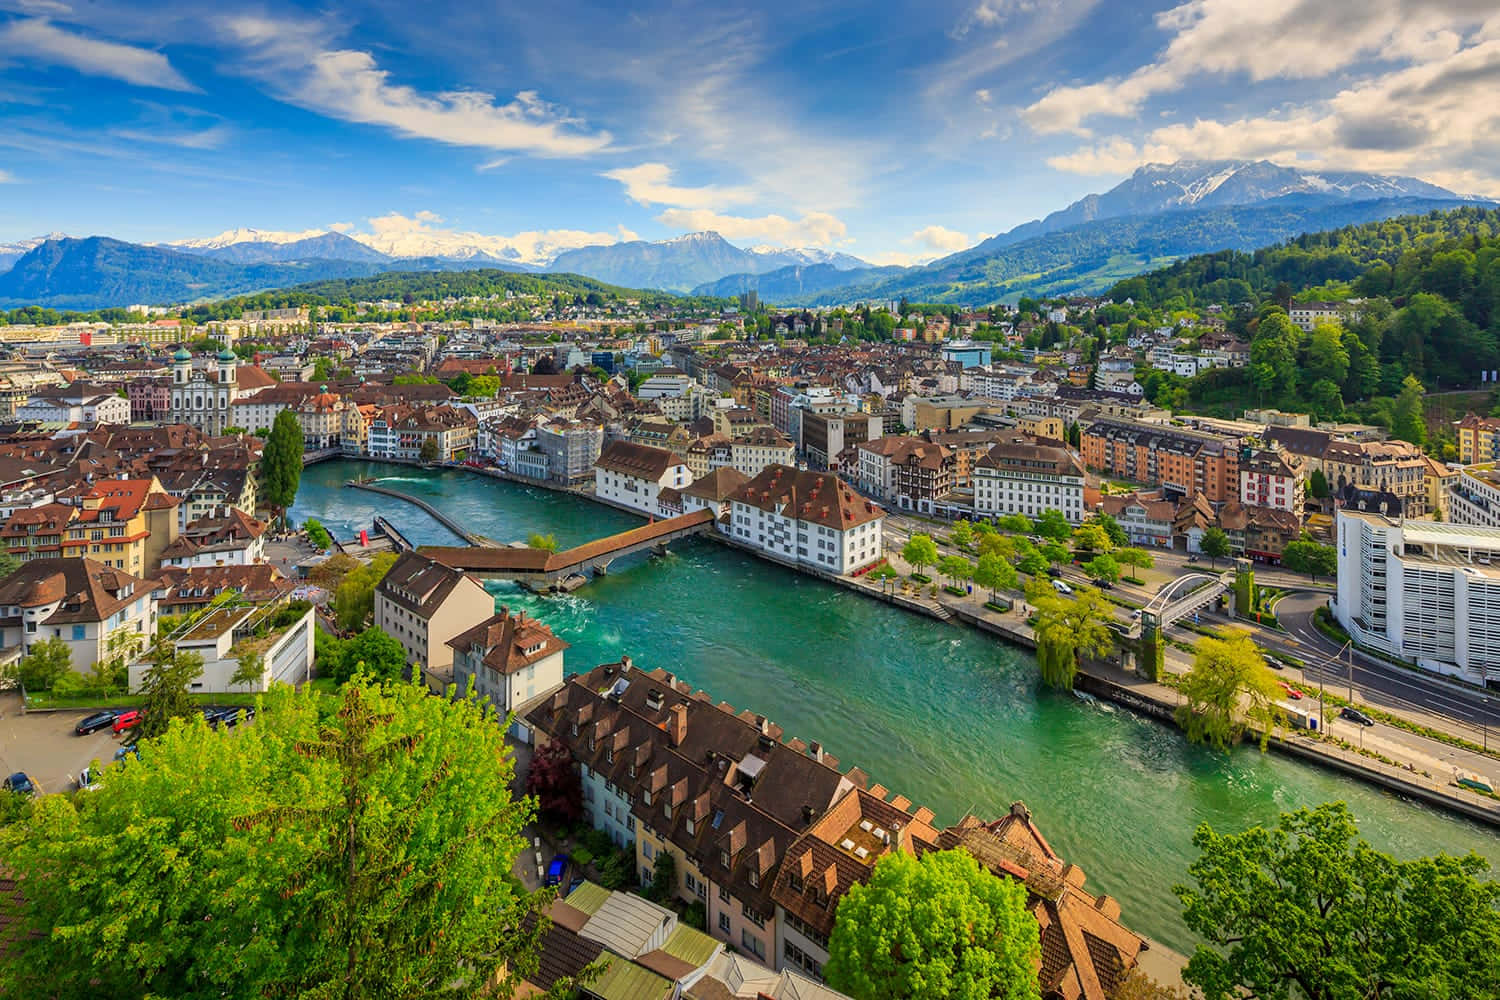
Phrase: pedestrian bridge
(1185,595)
(542,570)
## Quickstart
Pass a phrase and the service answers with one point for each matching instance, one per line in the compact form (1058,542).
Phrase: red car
(127,720)
(1291,692)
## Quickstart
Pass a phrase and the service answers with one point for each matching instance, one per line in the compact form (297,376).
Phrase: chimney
(763,724)
(625,664)
(816,749)
(808,812)
(677,723)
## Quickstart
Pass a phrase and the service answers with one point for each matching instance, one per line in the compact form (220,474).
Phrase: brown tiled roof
(717,485)
(510,642)
(639,460)
(818,497)
(89,590)
(418,583)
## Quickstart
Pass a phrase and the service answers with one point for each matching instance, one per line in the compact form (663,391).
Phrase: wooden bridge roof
(508,560)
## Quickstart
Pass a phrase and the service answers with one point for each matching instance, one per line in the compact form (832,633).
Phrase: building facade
(809,518)
(203,397)
(1026,477)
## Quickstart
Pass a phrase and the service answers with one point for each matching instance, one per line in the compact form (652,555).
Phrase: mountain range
(1160,213)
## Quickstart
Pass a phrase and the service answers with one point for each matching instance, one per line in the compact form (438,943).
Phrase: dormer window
(609,755)
(795,881)
(724,858)
(691,826)
(667,806)
(754,879)
(646,796)
(632,769)
(575,729)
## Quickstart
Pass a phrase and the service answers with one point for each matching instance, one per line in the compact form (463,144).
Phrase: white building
(1024,477)
(1423,591)
(286,651)
(510,659)
(635,474)
(83,603)
(1273,479)
(76,408)
(751,453)
(810,518)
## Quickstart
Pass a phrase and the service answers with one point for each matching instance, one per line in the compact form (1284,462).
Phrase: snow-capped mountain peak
(230,237)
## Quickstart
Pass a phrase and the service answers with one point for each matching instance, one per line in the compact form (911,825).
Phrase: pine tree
(281,463)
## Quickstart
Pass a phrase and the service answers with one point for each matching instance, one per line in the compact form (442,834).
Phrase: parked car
(127,720)
(1061,587)
(87,780)
(1355,715)
(20,784)
(94,723)
(1135,615)
(1054,571)
(557,869)
(1291,692)
(230,717)
(1103,584)
(129,751)
(1274,663)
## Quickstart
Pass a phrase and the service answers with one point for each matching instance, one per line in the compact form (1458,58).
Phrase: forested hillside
(1427,318)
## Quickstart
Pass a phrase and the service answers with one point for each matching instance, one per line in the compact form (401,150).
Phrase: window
(723,922)
(752,944)
(77,632)
(648,850)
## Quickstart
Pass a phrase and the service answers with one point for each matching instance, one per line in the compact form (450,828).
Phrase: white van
(1061,587)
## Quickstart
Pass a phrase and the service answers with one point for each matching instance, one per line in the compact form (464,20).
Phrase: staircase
(942,613)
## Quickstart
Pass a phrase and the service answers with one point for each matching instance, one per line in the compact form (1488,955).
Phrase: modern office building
(1424,591)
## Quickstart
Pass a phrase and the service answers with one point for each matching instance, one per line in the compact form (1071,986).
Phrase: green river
(943,715)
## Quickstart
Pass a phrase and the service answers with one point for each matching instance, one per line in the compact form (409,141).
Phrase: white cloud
(421,235)
(1267,39)
(943,239)
(1437,120)
(6,177)
(650,184)
(212,137)
(899,258)
(348,84)
(813,229)
(39,40)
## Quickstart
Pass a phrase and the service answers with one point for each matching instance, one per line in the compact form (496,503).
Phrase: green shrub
(583,856)
(696,916)
(921,578)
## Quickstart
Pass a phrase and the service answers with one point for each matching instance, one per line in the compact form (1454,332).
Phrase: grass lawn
(47,700)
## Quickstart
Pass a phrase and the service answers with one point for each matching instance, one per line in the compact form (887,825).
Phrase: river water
(941,714)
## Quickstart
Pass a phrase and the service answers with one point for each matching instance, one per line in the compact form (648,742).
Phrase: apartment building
(510,659)
(1478,439)
(76,404)
(1181,461)
(1273,479)
(1424,591)
(810,518)
(826,435)
(423,605)
(123,523)
(750,453)
(79,601)
(1396,467)
(634,475)
(1024,476)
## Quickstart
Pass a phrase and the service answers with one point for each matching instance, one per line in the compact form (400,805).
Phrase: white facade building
(1024,477)
(810,518)
(1423,591)
(633,475)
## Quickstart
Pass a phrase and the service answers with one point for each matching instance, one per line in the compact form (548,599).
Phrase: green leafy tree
(44,665)
(956,568)
(250,667)
(1069,629)
(996,574)
(281,463)
(1327,358)
(1215,544)
(995,544)
(1018,523)
(546,543)
(1136,558)
(1408,423)
(1052,523)
(317,534)
(362,854)
(941,928)
(1092,537)
(663,888)
(1056,553)
(1102,567)
(1229,688)
(1029,559)
(1317,484)
(920,551)
(164,689)
(963,534)
(1308,910)
(429,452)
(1307,556)
(354,598)
(373,652)
(1111,528)
(8,563)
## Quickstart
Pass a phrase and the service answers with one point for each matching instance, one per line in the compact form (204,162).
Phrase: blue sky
(896,131)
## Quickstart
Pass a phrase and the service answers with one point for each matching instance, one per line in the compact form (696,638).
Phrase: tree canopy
(1069,629)
(362,854)
(941,928)
(1228,687)
(354,597)
(920,550)
(281,462)
(1308,910)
